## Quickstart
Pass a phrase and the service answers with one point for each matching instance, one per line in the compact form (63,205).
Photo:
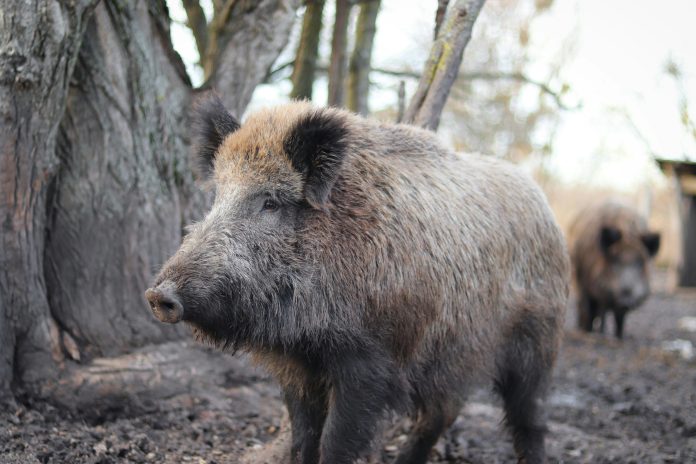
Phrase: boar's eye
(270,205)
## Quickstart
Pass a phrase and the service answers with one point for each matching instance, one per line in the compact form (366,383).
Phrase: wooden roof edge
(681,166)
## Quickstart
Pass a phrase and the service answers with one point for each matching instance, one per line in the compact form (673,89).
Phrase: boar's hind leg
(364,387)
(307,412)
(429,426)
(523,375)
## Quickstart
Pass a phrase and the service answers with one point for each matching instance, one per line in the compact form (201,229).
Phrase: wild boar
(370,270)
(611,250)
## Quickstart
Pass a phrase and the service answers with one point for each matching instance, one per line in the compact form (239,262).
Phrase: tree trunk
(123,180)
(440,16)
(197,22)
(401,101)
(307,51)
(359,68)
(337,66)
(94,178)
(39,42)
(443,64)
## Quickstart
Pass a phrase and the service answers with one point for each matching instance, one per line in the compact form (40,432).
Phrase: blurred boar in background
(370,269)
(611,251)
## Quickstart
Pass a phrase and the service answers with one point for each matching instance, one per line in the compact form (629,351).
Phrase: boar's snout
(164,303)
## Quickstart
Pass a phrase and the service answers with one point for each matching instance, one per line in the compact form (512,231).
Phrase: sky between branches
(615,69)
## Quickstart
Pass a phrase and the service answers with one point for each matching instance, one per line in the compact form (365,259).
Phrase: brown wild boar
(611,250)
(370,270)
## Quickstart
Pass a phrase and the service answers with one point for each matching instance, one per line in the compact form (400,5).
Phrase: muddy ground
(630,401)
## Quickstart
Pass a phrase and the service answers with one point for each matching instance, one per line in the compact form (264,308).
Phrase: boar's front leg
(307,411)
(619,322)
(587,312)
(364,387)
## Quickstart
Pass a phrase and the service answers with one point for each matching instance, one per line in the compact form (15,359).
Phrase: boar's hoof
(164,303)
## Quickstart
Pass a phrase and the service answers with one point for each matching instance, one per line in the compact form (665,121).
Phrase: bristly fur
(372,270)
(316,147)
(211,124)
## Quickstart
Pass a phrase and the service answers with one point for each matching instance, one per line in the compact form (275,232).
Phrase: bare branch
(196,21)
(223,11)
(521,78)
(470,76)
(443,64)
(440,16)
(625,115)
(672,68)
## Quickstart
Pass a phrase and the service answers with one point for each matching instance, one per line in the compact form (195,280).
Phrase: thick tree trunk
(339,62)
(39,42)
(123,186)
(359,68)
(307,51)
(94,178)
(443,64)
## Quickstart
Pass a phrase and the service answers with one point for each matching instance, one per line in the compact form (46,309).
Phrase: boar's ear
(651,240)
(211,124)
(316,147)
(608,236)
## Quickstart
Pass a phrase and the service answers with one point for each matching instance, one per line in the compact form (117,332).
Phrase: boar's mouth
(164,303)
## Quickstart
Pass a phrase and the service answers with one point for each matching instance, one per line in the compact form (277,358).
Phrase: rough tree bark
(94,178)
(338,64)
(39,42)
(359,67)
(442,65)
(307,51)
(123,180)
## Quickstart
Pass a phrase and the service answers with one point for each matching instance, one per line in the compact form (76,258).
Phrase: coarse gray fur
(370,269)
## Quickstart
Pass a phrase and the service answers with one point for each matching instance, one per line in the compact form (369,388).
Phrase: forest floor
(611,401)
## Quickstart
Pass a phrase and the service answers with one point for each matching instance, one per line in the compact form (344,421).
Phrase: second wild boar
(611,251)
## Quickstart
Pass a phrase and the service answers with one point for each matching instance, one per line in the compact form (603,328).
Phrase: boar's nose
(164,303)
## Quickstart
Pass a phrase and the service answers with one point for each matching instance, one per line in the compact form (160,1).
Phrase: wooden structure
(683,175)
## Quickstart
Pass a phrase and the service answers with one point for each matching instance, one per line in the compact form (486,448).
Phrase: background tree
(307,51)
(339,44)
(94,177)
(452,36)
(359,67)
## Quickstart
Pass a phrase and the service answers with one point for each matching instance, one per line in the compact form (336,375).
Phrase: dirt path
(630,401)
